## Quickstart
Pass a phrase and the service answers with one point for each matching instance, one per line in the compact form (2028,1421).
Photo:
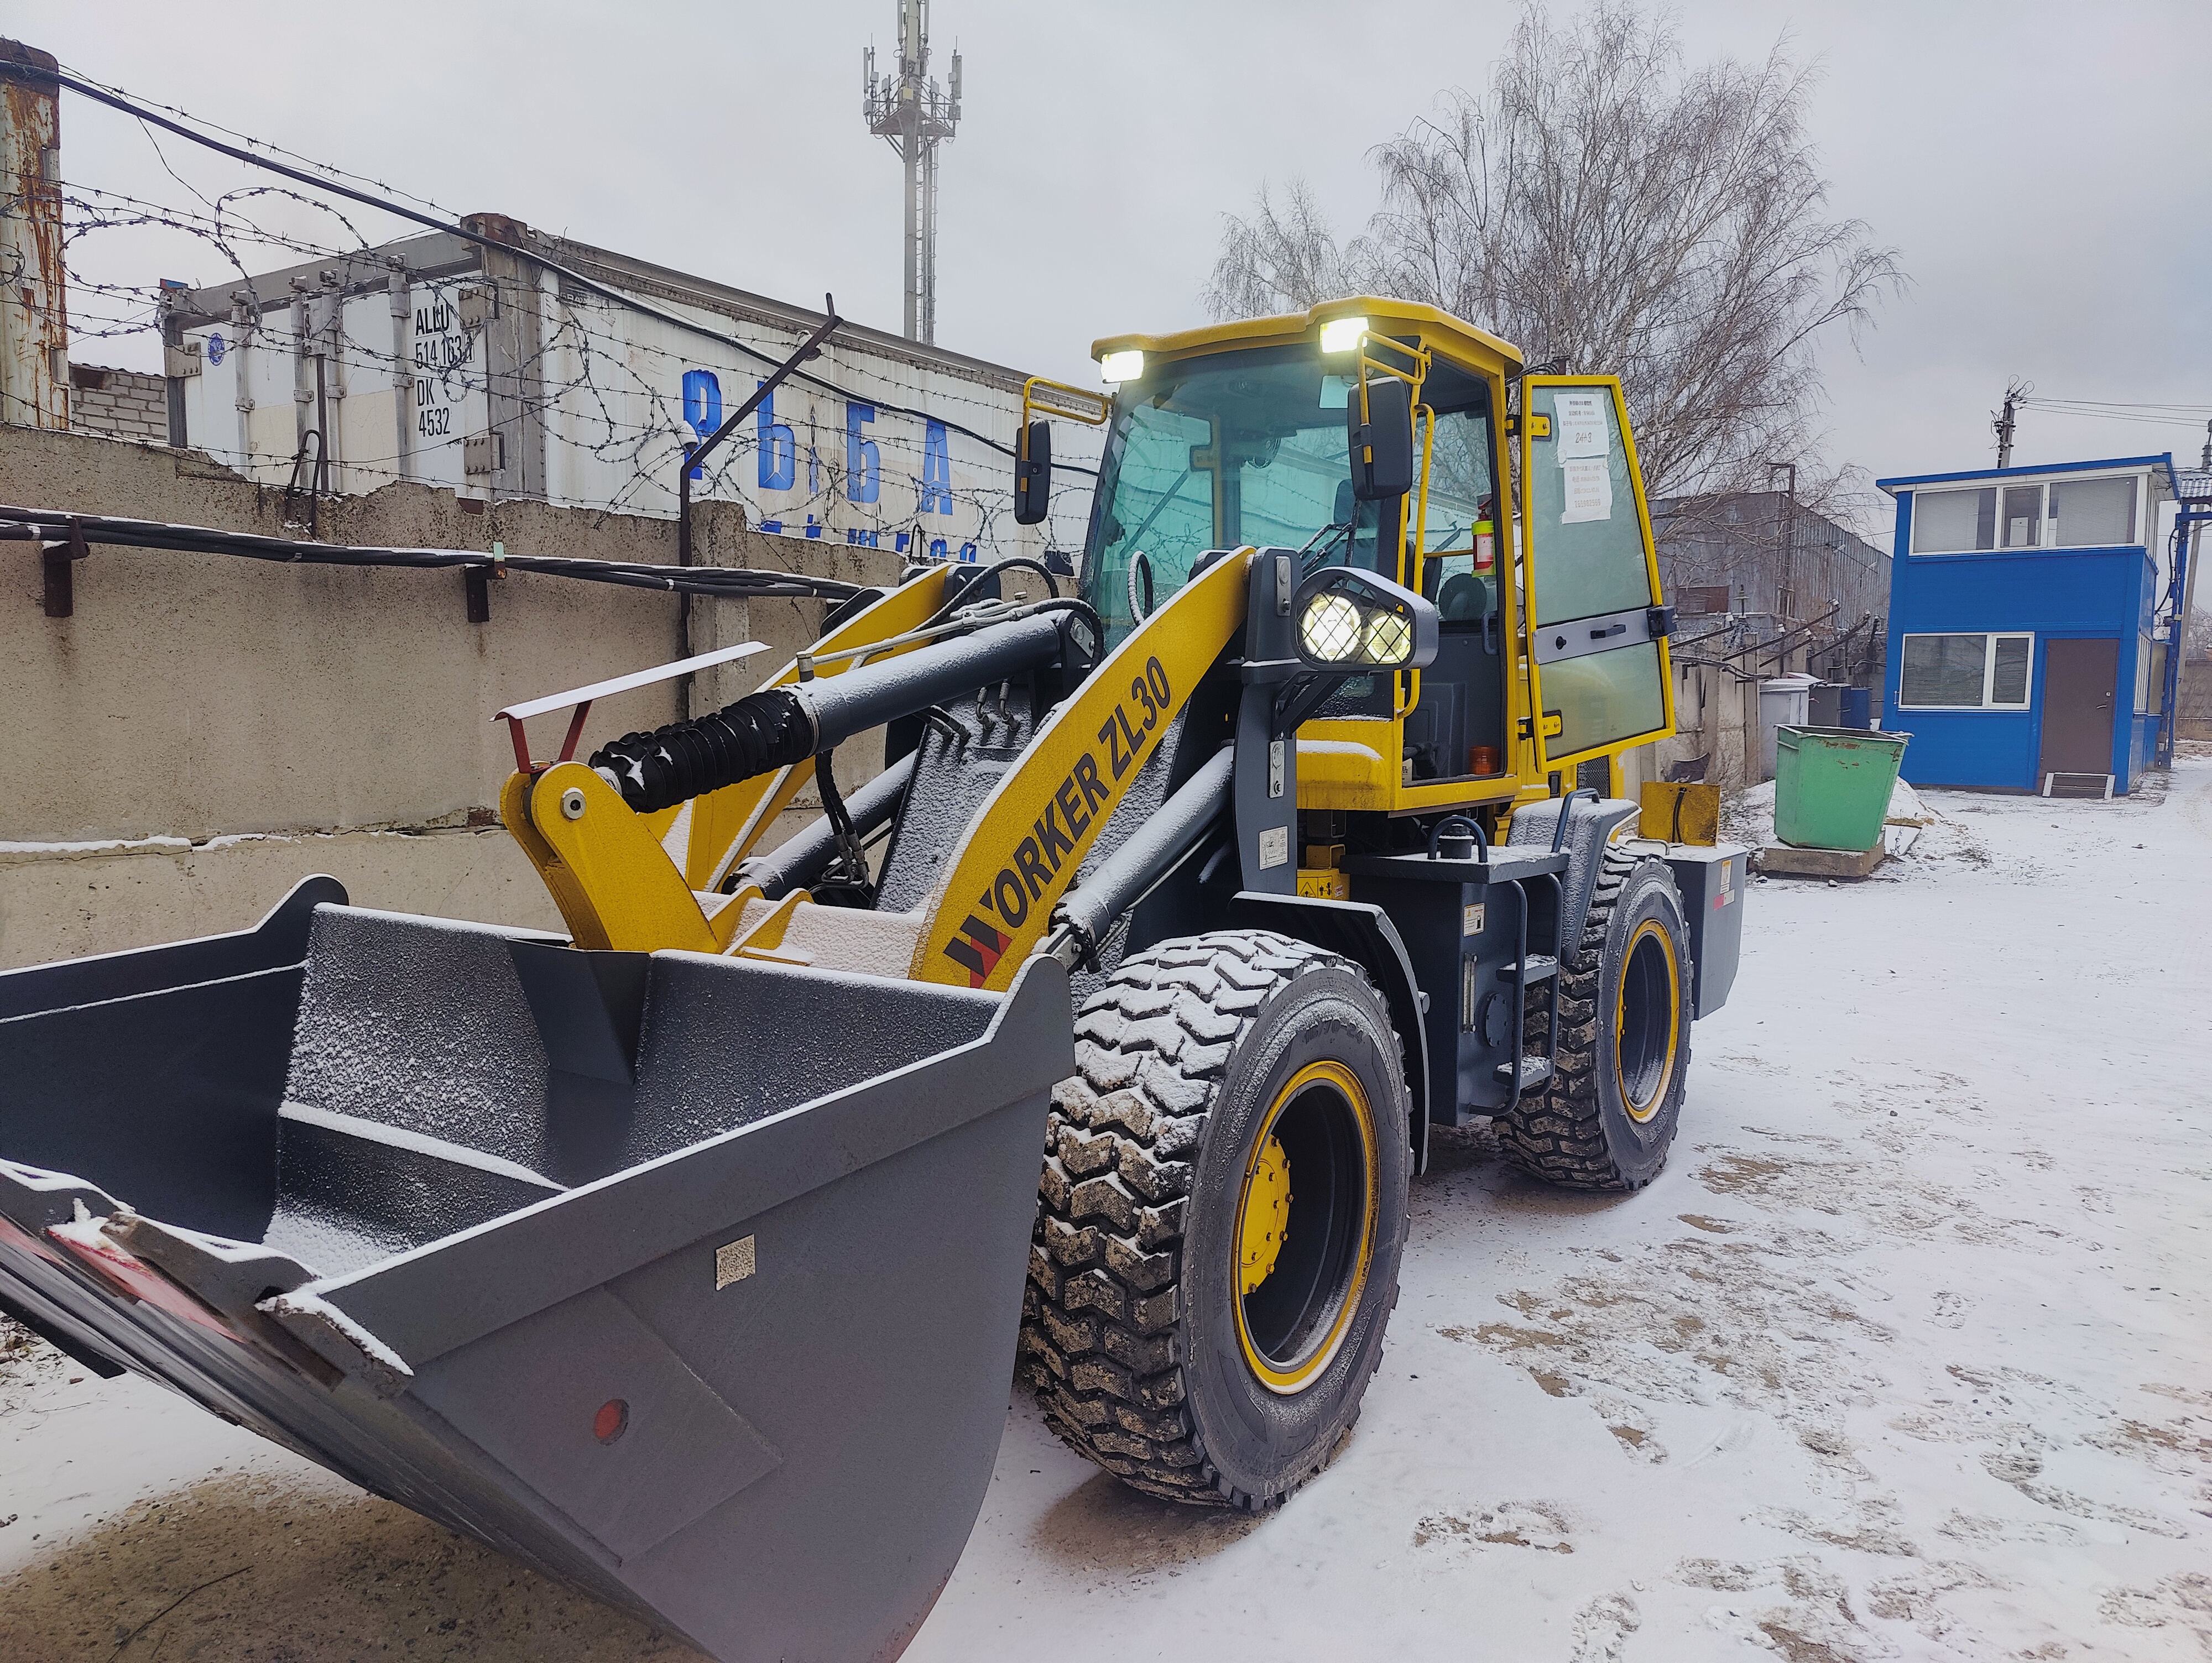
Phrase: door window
(1583,509)
(1591,576)
(1604,697)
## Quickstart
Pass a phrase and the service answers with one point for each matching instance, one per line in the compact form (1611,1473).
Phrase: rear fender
(1364,935)
(1590,826)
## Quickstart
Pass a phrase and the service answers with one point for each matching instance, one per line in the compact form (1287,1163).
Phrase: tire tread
(1557,1133)
(1101,1346)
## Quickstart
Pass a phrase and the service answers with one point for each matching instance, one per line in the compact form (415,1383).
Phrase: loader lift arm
(995,902)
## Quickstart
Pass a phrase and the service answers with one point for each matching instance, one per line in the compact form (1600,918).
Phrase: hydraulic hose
(804,856)
(780,727)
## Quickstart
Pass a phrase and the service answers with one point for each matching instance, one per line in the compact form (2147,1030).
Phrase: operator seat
(1465,599)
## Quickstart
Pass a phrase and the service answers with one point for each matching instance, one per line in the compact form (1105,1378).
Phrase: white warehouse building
(435,359)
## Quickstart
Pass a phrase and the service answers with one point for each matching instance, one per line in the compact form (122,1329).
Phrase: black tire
(1141,1343)
(1605,1119)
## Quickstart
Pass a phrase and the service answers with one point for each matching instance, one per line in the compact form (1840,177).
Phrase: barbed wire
(254,142)
(335,182)
(580,385)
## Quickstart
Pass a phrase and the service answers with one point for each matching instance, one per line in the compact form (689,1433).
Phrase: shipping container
(437,360)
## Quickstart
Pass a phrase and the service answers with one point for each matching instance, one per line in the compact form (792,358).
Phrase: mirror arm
(1299,698)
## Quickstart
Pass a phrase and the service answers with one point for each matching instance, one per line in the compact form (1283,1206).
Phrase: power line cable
(49,525)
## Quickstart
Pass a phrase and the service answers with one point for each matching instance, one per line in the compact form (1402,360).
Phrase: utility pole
(2014,391)
(915,115)
(1785,539)
(2206,463)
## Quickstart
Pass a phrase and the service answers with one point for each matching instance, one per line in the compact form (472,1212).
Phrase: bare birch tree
(1605,203)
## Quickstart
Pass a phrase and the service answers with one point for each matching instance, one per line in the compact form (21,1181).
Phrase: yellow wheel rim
(1305,1230)
(1647,1020)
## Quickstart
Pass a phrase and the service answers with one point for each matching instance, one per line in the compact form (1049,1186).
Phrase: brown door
(2079,681)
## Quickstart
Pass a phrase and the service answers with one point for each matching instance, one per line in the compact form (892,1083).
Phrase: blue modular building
(2021,654)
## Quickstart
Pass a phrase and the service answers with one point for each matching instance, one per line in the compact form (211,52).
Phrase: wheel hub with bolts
(1264,1214)
(1290,1320)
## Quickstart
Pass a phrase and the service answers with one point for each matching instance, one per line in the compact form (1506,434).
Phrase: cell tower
(916,115)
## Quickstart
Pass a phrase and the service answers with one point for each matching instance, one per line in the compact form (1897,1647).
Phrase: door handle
(1617,629)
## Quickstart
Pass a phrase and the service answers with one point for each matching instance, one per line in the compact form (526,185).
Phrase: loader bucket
(692,1281)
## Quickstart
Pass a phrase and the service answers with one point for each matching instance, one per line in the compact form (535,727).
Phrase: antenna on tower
(915,115)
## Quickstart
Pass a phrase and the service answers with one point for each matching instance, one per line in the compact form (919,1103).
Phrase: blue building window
(2065,513)
(1966,672)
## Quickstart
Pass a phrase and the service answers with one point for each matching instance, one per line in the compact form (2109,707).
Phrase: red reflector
(612,1420)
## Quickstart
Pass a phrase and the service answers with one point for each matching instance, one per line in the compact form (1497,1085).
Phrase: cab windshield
(1250,448)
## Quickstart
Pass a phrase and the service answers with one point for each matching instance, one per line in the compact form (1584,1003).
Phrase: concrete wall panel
(199,696)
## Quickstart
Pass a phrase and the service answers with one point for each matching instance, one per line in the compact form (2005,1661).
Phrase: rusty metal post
(33,318)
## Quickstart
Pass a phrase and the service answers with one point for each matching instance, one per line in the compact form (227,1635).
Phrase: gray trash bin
(1782,702)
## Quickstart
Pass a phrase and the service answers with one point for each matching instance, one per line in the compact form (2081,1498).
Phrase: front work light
(1389,638)
(1330,629)
(1351,619)
(1127,366)
(1342,334)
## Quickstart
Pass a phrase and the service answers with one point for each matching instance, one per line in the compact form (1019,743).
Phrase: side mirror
(1033,474)
(1382,446)
(1351,620)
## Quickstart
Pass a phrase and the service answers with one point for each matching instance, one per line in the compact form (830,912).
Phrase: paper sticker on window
(1581,424)
(1588,492)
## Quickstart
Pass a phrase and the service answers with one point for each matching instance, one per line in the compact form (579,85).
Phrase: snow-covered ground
(1908,1355)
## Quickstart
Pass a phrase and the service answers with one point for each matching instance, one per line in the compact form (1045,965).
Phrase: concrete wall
(202,698)
(2192,706)
(1716,708)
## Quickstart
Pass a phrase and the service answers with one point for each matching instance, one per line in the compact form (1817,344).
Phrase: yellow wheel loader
(686,1256)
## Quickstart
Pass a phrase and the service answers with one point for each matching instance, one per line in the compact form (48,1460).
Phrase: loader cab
(1235,436)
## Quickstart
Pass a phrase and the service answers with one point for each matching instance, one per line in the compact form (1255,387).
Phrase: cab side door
(1600,679)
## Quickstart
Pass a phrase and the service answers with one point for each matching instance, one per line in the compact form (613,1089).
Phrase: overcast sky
(2041,167)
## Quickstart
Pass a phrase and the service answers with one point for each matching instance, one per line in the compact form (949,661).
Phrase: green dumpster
(1832,785)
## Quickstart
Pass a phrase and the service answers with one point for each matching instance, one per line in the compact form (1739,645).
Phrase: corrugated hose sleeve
(762,731)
